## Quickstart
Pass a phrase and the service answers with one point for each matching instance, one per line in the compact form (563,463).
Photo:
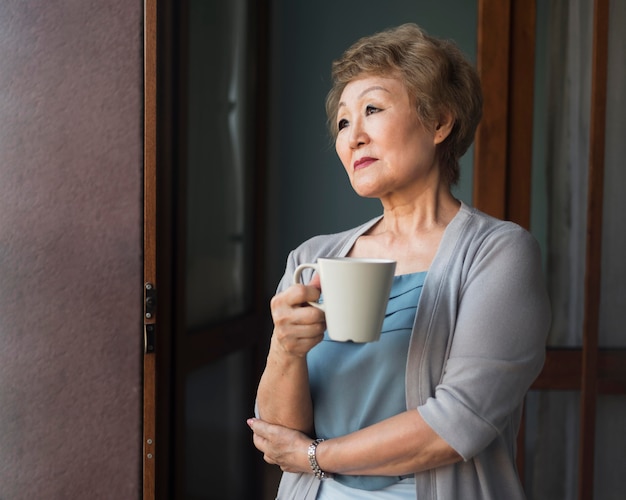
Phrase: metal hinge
(149,327)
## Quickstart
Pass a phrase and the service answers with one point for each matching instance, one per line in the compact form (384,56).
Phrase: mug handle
(297,274)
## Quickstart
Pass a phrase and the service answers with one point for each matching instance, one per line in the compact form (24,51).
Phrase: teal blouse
(357,385)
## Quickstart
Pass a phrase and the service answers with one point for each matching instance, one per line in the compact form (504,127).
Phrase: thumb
(315,281)
(256,424)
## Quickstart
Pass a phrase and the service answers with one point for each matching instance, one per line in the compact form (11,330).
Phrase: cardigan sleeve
(497,346)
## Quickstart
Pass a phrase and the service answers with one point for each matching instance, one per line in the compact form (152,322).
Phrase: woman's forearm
(283,395)
(400,445)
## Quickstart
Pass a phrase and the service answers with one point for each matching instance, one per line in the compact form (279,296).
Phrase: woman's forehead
(366,84)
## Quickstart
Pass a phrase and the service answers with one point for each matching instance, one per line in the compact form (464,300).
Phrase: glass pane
(217,174)
(552,426)
(560,156)
(217,440)
(610,452)
(613,293)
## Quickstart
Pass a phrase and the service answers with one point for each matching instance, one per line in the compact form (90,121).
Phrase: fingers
(263,445)
(287,306)
(280,445)
(295,295)
(297,328)
(316,282)
(256,425)
(261,431)
(284,313)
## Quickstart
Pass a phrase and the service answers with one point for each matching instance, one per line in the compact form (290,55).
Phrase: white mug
(355,294)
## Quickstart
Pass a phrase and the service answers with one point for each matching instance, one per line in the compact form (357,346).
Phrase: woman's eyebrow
(371,89)
(368,89)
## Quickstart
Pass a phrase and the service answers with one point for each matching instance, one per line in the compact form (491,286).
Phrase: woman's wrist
(283,354)
(312,456)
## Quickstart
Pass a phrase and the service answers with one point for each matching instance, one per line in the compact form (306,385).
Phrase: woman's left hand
(281,446)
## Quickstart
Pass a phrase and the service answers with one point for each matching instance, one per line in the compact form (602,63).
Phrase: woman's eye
(369,109)
(343,123)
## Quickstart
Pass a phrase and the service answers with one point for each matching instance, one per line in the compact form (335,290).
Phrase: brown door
(581,372)
(205,314)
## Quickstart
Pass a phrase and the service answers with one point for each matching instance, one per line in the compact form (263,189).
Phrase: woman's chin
(367,189)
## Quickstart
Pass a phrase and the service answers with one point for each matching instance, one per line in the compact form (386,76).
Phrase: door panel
(219,163)
(217,441)
(204,172)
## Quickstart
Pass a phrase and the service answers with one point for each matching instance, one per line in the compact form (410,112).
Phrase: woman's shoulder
(486,233)
(484,225)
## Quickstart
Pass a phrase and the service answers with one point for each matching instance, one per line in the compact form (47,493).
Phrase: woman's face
(383,146)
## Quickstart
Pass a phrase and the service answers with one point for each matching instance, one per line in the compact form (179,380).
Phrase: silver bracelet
(319,473)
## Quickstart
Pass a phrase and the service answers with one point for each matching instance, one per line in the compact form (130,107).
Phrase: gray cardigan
(477,344)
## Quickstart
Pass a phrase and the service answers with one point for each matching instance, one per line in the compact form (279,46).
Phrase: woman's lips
(363,162)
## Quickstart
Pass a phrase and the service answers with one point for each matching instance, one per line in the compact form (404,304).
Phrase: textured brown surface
(70,249)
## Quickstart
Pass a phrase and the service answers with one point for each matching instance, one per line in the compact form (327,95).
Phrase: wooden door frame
(149,245)
(502,187)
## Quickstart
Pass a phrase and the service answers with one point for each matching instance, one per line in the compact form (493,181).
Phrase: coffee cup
(355,293)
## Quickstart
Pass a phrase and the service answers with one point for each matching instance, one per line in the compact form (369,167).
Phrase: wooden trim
(519,135)
(562,371)
(490,145)
(149,424)
(150,131)
(594,250)
(520,114)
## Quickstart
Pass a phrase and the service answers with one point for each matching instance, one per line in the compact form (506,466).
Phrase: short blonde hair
(436,74)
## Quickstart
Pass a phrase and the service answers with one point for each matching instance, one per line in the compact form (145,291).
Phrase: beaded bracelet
(319,473)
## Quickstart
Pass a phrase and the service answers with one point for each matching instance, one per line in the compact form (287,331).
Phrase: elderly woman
(432,410)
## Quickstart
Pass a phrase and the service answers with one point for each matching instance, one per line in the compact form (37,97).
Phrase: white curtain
(610,456)
(565,91)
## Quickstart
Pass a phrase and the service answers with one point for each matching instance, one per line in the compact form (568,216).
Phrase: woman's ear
(443,127)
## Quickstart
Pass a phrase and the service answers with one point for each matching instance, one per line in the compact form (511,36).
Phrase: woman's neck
(427,212)
(409,233)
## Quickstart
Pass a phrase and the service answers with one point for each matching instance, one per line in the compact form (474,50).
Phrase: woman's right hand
(298,326)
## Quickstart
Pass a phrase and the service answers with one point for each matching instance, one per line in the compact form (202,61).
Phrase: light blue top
(332,490)
(356,385)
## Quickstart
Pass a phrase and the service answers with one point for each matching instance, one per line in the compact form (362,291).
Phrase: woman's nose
(358,135)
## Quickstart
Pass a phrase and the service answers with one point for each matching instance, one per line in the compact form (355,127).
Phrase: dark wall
(309,192)
(70,249)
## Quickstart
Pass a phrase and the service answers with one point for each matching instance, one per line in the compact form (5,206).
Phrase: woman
(433,408)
